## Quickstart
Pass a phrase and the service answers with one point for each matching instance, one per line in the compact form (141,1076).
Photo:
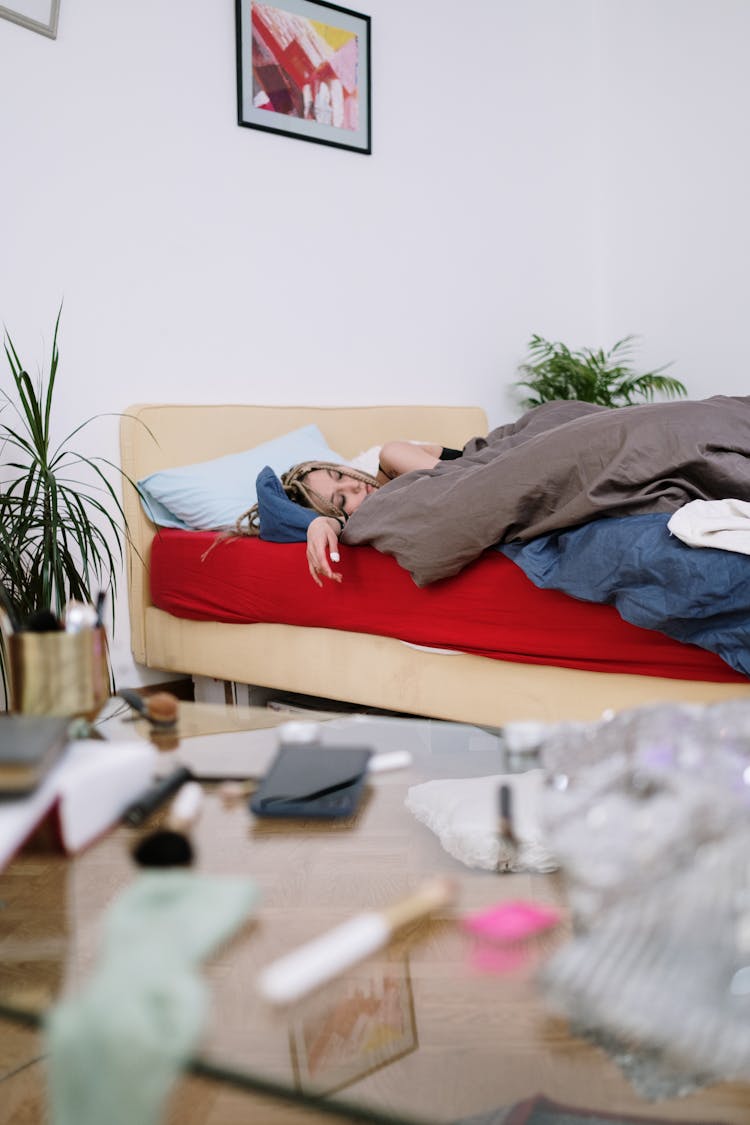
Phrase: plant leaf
(552,371)
(62,524)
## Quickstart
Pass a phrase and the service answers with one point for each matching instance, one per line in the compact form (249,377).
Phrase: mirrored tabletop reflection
(431,1028)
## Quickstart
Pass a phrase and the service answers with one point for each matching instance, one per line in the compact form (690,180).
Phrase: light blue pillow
(213,494)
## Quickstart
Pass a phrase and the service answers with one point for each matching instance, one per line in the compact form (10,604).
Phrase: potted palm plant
(62,526)
(552,371)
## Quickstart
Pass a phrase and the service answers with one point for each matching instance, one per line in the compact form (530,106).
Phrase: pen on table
(155,796)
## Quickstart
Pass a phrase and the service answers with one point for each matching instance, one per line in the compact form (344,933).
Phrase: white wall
(574,168)
(675,167)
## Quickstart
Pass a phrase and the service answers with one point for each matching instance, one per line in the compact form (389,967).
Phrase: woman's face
(344,492)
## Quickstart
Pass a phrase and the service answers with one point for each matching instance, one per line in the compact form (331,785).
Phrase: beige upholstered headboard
(162,435)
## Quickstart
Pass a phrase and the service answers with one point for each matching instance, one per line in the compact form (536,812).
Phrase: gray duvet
(560,465)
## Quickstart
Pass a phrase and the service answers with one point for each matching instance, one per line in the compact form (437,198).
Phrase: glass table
(418,1033)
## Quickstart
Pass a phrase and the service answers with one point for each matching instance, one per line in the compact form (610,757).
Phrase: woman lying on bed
(561,465)
(336,491)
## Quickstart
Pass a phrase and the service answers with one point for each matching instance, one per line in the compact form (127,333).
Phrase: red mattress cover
(490,608)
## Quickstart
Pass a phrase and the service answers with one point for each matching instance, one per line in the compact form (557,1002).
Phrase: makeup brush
(42,621)
(296,974)
(160,708)
(170,846)
(155,795)
(101,597)
(506,830)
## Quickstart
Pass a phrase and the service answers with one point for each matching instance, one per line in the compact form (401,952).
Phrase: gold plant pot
(59,673)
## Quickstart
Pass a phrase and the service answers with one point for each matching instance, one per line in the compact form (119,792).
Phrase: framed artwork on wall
(37,15)
(303,70)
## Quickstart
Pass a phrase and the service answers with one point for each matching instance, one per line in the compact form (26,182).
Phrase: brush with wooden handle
(292,976)
(160,709)
(170,846)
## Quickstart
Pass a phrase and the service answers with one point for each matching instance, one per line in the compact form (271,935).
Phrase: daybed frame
(368,670)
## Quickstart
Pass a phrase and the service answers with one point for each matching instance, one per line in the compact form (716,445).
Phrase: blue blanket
(699,595)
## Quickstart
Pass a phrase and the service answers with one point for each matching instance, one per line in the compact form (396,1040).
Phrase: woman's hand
(322,541)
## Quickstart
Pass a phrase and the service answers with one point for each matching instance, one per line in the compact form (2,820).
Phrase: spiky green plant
(552,371)
(62,526)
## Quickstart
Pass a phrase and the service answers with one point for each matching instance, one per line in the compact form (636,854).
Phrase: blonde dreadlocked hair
(296,488)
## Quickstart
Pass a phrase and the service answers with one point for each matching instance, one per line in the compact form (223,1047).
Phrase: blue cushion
(214,494)
(280,519)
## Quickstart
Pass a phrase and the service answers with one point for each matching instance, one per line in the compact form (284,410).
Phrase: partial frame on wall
(37,15)
(303,71)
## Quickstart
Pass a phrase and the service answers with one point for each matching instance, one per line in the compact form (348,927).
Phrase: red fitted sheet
(490,608)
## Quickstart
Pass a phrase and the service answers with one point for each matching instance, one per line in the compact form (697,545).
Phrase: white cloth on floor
(724,524)
(464,815)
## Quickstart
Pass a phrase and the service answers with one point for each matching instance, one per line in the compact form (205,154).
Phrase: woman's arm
(398,457)
(322,541)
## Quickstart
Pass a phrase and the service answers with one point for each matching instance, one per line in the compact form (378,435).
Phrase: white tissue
(464,815)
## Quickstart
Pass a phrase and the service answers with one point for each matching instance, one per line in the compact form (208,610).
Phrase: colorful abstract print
(304,68)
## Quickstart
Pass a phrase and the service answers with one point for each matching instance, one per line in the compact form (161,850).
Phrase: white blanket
(724,524)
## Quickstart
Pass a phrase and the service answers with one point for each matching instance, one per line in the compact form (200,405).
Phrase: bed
(385,643)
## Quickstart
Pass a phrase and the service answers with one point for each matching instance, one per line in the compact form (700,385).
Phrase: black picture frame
(304,71)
